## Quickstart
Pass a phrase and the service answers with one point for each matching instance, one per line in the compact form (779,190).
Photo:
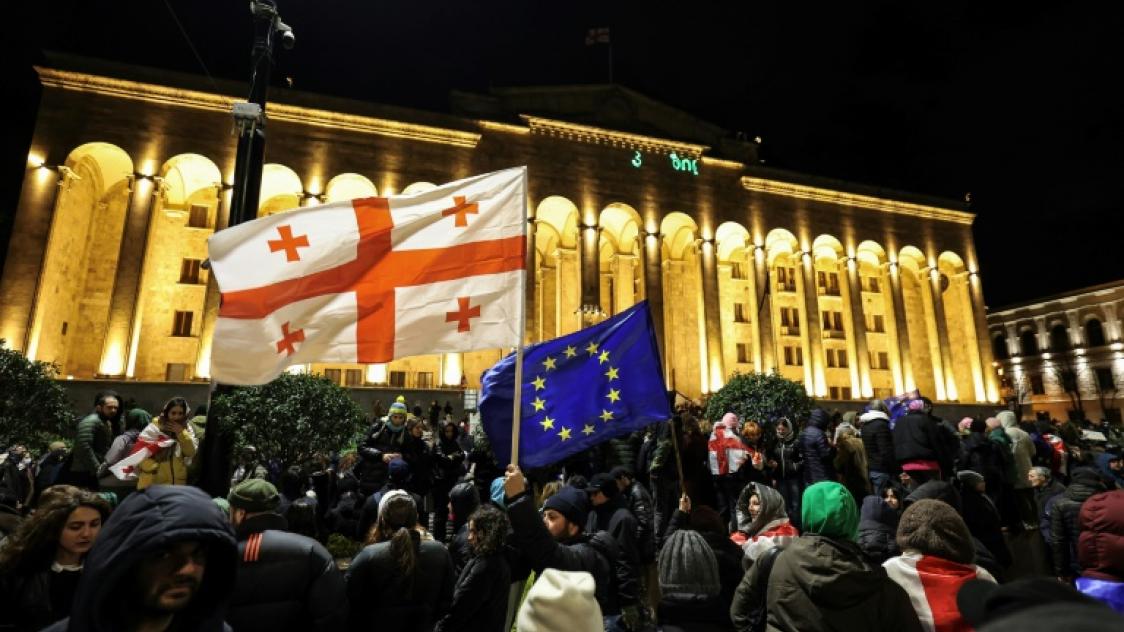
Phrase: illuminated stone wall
(746,268)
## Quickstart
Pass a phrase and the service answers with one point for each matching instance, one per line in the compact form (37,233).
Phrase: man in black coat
(610,514)
(285,581)
(557,538)
(639,502)
(385,441)
(818,453)
(923,448)
(878,442)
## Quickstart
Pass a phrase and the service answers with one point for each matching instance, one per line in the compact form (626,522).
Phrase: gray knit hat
(687,567)
(934,528)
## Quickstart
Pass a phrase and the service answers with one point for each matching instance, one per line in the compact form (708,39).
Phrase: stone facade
(1062,356)
(852,291)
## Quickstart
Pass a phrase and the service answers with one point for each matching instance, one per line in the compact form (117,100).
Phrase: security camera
(288,40)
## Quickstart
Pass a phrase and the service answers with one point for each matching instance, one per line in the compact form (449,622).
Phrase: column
(590,274)
(863,386)
(1043,334)
(712,370)
(624,278)
(531,288)
(764,347)
(1076,335)
(138,311)
(1013,348)
(35,315)
(549,299)
(983,337)
(813,350)
(1112,332)
(653,289)
(905,360)
(210,312)
(569,293)
(944,357)
(126,281)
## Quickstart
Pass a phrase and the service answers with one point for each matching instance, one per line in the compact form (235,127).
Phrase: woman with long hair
(41,561)
(480,597)
(399,582)
(171,444)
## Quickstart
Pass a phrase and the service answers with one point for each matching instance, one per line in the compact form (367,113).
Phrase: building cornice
(843,198)
(1049,303)
(152,93)
(612,138)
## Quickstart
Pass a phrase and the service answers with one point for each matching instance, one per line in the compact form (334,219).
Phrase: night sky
(1017,106)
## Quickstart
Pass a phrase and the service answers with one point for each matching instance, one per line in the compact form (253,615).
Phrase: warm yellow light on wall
(452,370)
(376,374)
(112,363)
(36,160)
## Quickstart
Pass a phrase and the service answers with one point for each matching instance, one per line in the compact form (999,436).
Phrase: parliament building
(850,290)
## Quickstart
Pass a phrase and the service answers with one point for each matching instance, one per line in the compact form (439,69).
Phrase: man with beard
(95,433)
(166,559)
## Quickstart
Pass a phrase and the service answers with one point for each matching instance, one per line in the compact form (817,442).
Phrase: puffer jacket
(920,437)
(878,526)
(642,508)
(816,451)
(381,598)
(1064,528)
(170,468)
(786,453)
(285,581)
(142,527)
(91,443)
(878,441)
(1100,548)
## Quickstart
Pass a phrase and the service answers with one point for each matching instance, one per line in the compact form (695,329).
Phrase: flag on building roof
(578,390)
(372,279)
(597,36)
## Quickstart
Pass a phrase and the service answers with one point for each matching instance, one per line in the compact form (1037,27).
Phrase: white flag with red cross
(372,279)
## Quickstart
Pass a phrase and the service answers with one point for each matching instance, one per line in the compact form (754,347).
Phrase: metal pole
(517,418)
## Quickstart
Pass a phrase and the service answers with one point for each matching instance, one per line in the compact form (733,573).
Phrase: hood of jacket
(789,435)
(819,419)
(465,499)
(1102,462)
(935,490)
(871,415)
(876,511)
(1083,483)
(1100,547)
(772,508)
(835,574)
(828,509)
(1007,419)
(143,525)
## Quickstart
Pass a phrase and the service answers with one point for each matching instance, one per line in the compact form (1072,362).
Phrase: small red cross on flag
(373,279)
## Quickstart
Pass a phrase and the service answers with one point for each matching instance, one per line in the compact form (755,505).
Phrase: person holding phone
(167,464)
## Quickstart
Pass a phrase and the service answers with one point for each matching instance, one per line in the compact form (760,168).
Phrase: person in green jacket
(95,433)
(822,581)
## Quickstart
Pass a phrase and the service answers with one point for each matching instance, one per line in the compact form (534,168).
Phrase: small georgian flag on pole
(372,279)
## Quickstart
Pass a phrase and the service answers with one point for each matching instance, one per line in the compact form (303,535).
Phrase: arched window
(1028,343)
(1059,338)
(1094,333)
(999,347)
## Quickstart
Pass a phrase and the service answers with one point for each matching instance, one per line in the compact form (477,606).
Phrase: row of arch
(120,291)
(1060,336)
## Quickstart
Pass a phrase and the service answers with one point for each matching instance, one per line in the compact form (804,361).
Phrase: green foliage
(342,547)
(34,409)
(761,397)
(291,418)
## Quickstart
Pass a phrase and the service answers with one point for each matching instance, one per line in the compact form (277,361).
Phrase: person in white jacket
(1022,447)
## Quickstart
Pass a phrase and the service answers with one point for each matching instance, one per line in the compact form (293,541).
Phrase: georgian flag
(932,584)
(372,279)
(150,441)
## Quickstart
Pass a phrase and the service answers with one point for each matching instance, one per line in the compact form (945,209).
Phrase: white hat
(561,601)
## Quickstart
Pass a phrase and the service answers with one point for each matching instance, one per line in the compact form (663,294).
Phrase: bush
(761,397)
(291,418)
(34,409)
(341,547)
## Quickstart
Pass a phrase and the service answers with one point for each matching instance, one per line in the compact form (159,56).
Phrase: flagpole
(517,404)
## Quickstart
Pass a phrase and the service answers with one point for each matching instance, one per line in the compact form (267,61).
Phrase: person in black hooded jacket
(817,452)
(481,594)
(449,468)
(878,527)
(166,559)
(464,499)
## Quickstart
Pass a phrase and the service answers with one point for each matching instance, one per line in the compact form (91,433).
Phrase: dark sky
(1018,106)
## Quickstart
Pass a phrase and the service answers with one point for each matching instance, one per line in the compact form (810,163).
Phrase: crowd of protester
(854,521)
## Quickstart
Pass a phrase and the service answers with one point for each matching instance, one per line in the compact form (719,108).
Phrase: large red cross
(461,208)
(288,243)
(463,313)
(374,274)
(288,338)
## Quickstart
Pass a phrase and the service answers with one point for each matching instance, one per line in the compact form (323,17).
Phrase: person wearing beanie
(285,581)
(1100,549)
(386,441)
(822,581)
(938,557)
(982,516)
(708,523)
(818,453)
(690,585)
(850,461)
(561,601)
(878,442)
(878,527)
(610,514)
(762,521)
(1085,482)
(557,539)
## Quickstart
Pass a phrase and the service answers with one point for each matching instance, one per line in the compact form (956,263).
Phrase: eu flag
(578,390)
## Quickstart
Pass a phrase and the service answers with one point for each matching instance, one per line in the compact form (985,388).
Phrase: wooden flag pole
(517,404)
(675,448)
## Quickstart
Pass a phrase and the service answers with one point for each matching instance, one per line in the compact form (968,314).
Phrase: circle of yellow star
(538,403)
(612,374)
(614,395)
(564,433)
(588,430)
(570,351)
(539,382)
(606,415)
(548,363)
(592,348)
(547,423)
(603,358)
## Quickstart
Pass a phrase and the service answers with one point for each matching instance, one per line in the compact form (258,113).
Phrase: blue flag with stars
(578,390)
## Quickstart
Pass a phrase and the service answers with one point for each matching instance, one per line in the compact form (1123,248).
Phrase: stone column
(138,312)
(569,292)
(590,273)
(813,351)
(905,359)
(764,346)
(624,278)
(1013,347)
(531,288)
(1043,333)
(210,312)
(983,337)
(713,370)
(35,313)
(1076,335)
(944,375)
(1112,333)
(858,327)
(653,288)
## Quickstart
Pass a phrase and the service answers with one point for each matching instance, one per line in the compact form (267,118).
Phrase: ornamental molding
(601,136)
(842,198)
